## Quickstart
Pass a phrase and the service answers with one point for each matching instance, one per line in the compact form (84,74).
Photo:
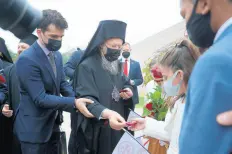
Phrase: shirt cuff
(132,82)
(100,118)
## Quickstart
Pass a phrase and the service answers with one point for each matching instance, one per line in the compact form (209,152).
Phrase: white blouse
(168,130)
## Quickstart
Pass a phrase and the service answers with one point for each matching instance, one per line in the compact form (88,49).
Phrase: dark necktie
(126,67)
(52,62)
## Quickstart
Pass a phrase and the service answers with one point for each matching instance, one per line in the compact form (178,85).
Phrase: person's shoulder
(134,61)
(88,62)
(26,57)
(77,52)
(30,52)
(215,57)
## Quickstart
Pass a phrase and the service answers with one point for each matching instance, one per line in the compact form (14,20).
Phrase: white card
(129,145)
(133,115)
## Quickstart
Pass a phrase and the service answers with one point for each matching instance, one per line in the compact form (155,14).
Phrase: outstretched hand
(117,122)
(137,124)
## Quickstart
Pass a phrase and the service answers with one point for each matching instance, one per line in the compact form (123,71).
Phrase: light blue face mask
(169,88)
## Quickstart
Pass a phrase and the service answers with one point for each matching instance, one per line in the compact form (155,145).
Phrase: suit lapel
(44,59)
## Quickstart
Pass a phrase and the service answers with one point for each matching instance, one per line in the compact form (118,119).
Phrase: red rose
(2,79)
(149,106)
(156,72)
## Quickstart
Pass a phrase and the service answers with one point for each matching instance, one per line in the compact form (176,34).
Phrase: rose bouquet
(156,107)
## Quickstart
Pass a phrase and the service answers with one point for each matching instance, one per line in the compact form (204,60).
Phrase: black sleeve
(86,88)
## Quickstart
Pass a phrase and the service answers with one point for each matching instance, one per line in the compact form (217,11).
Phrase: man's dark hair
(52,17)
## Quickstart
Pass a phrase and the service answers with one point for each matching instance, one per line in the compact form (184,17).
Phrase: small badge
(115,94)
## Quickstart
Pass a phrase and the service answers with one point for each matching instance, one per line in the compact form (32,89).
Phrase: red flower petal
(149,106)
(156,72)
(2,79)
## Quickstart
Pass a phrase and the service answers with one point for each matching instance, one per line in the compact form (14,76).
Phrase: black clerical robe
(5,123)
(95,136)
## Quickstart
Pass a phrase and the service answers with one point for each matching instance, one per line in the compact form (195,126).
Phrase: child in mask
(176,67)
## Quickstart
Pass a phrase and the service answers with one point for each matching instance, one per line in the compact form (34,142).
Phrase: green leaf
(157,95)
(161,115)
(146,112)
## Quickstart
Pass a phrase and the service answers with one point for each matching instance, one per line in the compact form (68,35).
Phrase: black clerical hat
(30,39)
(106,29)
(4,53)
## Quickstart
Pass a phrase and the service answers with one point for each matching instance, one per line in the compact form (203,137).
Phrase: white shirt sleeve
(161,130)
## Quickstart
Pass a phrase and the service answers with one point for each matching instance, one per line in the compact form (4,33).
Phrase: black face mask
(53,45)
(112,54)
(126,54)
(199,29)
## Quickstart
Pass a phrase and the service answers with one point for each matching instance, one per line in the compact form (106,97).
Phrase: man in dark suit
(69,67)
(132,70)
(41,81)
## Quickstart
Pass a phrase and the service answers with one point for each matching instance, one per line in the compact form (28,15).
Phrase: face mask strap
(194,9)
(195,5)
(175,75)
(43,39)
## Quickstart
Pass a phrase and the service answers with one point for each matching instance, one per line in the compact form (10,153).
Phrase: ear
(102,49)
(180,75)
(38,31)
(203,7)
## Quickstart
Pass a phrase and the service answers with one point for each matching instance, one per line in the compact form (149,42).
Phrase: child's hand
(137,124)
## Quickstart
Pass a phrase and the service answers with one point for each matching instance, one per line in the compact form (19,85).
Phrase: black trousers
(73,144)
(16,148)
(51,147)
